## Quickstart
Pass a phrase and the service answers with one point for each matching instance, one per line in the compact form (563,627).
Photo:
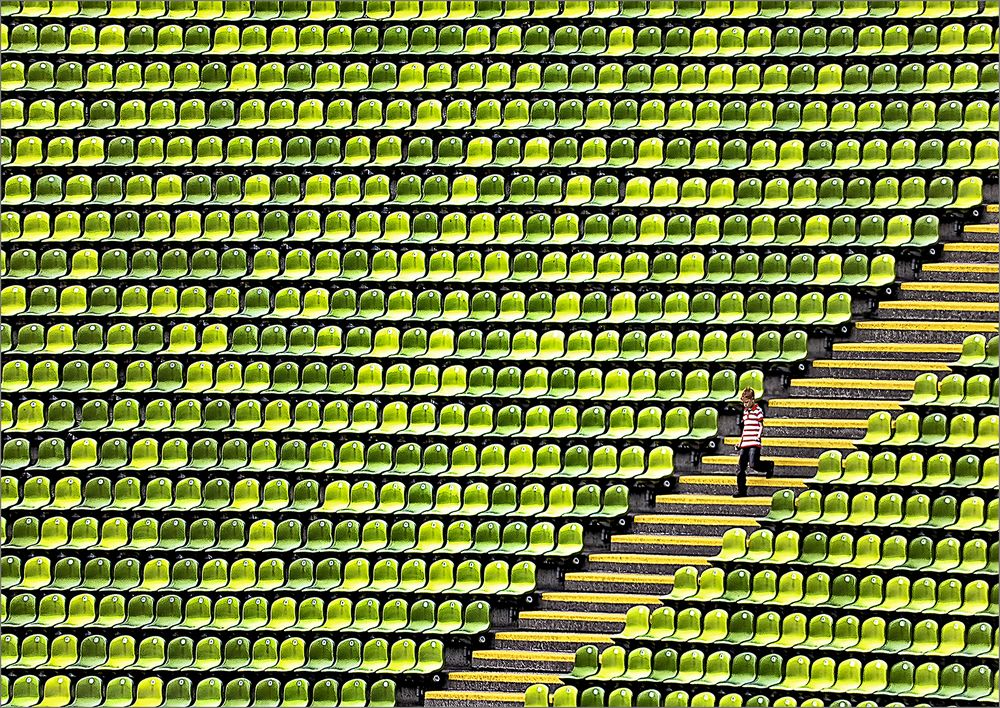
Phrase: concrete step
(718,484)
(821,407)
(971,252)
(537,650)
(571,620)
(706,546)
(621,581)
(920,331)
(798,446)
(793,467)
(524,659)
(707,504)
(519,639)
(959,272)
(981,233)
(513,682)
(843,387)
(815,427)
(460,698)
(610,601)
(690,524)
(883,369)
(937,309)
(642,563)
(948,292)
(891,351)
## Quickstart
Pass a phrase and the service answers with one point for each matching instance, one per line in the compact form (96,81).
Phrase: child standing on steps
(752,426)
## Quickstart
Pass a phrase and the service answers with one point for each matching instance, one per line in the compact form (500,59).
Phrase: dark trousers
(749,457)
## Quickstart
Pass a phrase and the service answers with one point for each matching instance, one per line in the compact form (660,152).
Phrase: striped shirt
(753,426)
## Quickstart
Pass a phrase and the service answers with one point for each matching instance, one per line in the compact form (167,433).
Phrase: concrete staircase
(919,330)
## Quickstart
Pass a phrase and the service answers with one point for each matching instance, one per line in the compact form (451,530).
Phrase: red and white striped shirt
(753,427)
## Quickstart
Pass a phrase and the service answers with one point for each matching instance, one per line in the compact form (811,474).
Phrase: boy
(749,446)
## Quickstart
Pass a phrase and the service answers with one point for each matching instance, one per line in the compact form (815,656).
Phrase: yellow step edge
(880,364)
(780,461)
(776,483)
(521,655)
(946,287)
(801,443)
(645,559)
(935,305)
(679,519)
(901,347)
(960,268)
(835,404)
(698,499)
(981,228)
(872,384)
(730,480)
(572,616)
(620,578)
(649,540)
(476,696)
(924,326)
(600,598)
(504,677)
(818,423)
(993,208)
(562,637)
(967,247)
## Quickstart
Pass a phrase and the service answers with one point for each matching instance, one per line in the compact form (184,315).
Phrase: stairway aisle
(682,529)
(919,331)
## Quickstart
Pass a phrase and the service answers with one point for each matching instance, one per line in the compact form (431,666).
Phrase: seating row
(615,663)
(865,509)
(459,305)
(277,494)
(947,555)
(848,632)
(922,595)
(955,390)
(440,343)
(428,229)
(491,9)
(617,384)
(361,574)
(470,265)
(215,690)
(688,77)
(285,614)
(650,153)
(887,469)
(195,534)
(265,654)
(963,430)
(426,419)
(957,113)
(539,39)
(580,190)
(322,456)
(795,672)
(539,696)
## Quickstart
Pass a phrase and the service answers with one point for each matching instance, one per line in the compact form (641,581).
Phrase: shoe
(740,493)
